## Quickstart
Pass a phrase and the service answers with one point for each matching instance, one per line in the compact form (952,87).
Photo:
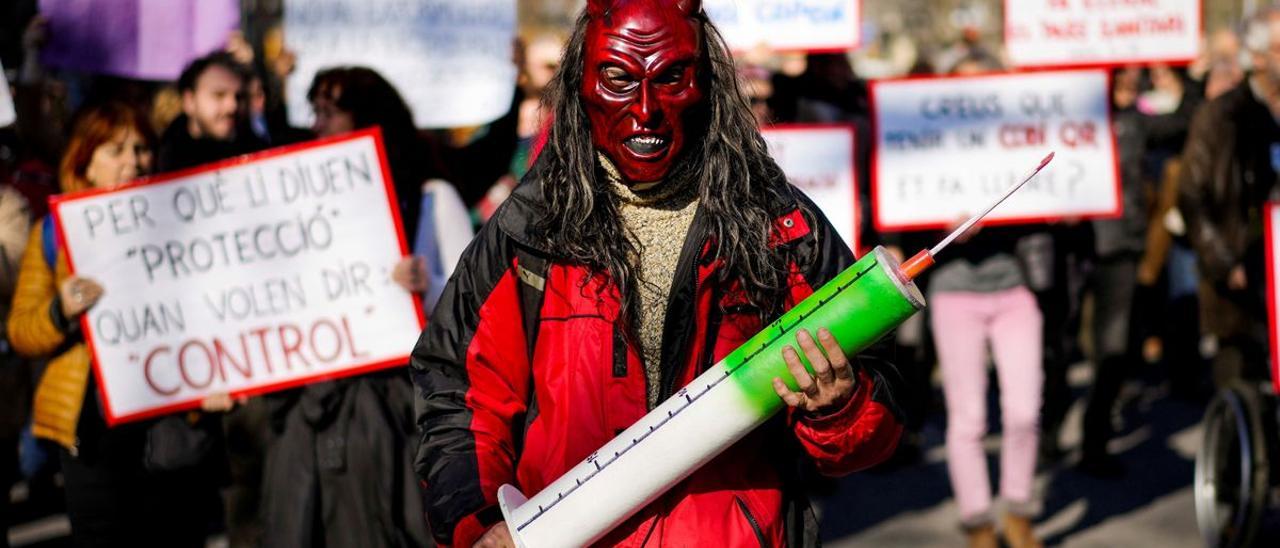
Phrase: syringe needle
(924,259)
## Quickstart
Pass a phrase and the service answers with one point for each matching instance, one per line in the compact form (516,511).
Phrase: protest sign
(789,25)
(143,39)
(252,275)
(1271,222)
(7,114)
(1078,33)
(946,147)
(818,159)
(451,60)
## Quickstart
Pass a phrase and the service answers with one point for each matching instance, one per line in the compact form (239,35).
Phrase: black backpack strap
(532,271)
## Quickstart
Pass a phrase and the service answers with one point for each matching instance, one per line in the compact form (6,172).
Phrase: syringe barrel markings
(859,306)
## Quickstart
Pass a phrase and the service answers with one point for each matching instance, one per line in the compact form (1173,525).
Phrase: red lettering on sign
(151,381)
(1172,24)
(1065,30)
(198,363)
(184,365)
(1021,135)
(291,348)
(351,341)
(1104,4)
(1078,134)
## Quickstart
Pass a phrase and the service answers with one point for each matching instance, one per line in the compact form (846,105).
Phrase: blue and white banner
(790,25)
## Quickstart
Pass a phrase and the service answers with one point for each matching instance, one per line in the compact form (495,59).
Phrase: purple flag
(144,39)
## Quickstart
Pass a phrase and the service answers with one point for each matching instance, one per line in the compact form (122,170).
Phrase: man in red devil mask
(653,236)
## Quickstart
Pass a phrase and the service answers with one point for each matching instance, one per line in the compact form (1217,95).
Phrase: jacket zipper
(751,520)
(714,319)
(687,265)
(669,380)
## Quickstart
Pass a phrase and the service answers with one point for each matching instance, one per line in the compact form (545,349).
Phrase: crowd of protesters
(1175,285)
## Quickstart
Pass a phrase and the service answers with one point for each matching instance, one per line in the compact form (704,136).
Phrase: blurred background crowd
(1108,337)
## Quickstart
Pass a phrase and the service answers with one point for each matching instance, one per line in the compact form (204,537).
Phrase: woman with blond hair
(134,484)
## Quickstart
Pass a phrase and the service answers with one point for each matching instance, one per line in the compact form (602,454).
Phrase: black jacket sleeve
(471,381)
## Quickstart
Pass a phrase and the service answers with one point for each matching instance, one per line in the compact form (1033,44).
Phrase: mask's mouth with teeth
(647,145)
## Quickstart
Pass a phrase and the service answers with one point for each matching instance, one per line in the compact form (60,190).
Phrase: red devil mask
(641,81)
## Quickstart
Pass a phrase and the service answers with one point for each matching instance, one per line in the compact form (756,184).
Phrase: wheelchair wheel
(1232,470)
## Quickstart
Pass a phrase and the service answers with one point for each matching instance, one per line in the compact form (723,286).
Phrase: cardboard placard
(818,159)
(248,276)
(788,25)
(451,60)
(947,147)
(1080,33)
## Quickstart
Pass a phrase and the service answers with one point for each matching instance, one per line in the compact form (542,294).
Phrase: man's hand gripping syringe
(858,307)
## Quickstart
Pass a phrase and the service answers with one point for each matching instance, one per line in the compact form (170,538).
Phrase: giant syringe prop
(859,306)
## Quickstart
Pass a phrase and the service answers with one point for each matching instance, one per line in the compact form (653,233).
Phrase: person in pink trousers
(979,299)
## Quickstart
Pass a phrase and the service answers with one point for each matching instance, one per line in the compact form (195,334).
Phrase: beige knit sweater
(657,219)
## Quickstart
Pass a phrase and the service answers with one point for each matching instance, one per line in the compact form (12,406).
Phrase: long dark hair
(373,101)
(739,185)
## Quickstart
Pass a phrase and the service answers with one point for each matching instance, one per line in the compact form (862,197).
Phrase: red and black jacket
(493,409)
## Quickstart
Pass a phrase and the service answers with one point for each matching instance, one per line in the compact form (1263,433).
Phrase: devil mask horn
(597,8)
(690,7)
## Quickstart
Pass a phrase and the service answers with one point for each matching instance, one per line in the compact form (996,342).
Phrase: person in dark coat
(339,466)
(1229,173)
(1118,245)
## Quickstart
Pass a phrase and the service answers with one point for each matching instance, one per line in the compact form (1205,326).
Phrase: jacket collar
(518,215)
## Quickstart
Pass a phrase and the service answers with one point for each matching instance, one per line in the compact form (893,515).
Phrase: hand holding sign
(220,402)
(411,274)
(77,294)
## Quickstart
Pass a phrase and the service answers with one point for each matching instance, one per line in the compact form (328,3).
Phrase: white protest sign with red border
(1271,220)
(945,147)
(818,159)
(1080,33)
(252,275)
(788,25)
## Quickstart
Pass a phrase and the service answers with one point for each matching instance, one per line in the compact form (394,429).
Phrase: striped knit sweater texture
(656,218)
